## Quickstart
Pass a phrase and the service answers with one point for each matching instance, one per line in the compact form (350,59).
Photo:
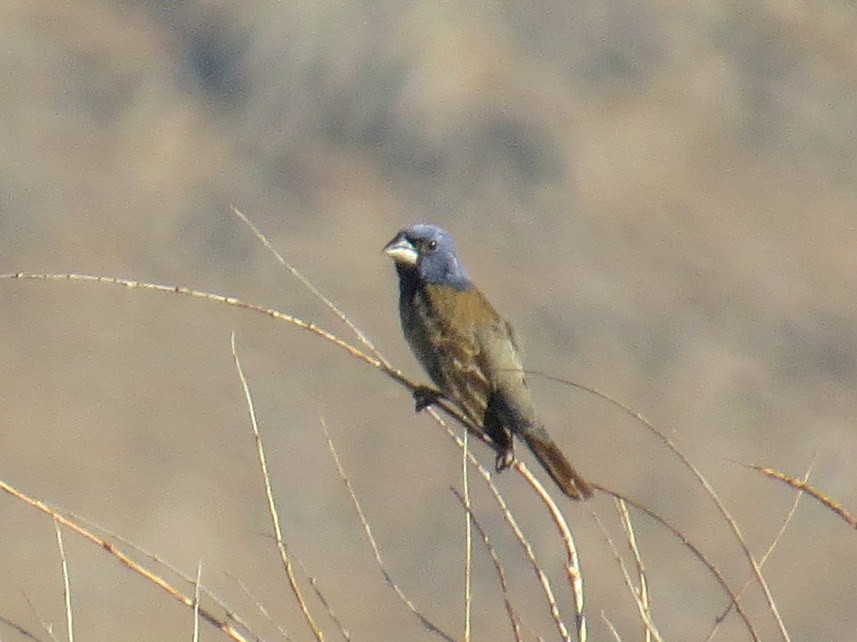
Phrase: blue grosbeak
(469,351)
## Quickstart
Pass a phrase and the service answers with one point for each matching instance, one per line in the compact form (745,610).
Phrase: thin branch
(733,525)
(392,373)
(196,602)
(214,298)
(325,603)
(468,542)
(542,577)
(514,620)
(519,535)
(649,625)
(155,579)
(261,607)
(643,589)
(47,627)
(65,582)
(272,508)
(361,336)
(837,508)
(229,611)
(379,560)
(18,628)
(722,617)
(610,626)
(715,572)
(572,561)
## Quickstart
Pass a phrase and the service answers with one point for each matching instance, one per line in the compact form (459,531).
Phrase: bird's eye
(432,246)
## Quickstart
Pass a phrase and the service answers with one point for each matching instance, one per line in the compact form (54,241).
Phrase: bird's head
(427,252)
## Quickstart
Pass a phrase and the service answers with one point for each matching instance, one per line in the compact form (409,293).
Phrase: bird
(469,352)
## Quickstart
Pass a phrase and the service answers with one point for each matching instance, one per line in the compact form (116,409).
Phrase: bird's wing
(499,354)
(488,365)
(512,336)
(511,401)
(458,361)
(464,377)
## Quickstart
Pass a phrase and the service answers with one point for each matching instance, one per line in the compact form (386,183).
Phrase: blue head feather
(436,260)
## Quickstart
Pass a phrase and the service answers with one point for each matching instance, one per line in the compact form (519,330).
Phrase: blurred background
(660,196)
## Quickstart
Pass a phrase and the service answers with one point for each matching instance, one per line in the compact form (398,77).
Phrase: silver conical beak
(401,250)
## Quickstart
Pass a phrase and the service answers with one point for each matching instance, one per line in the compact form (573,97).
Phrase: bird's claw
(504,460)
(425,397)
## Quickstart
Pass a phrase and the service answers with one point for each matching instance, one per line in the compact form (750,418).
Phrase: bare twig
(837,508)
(331,338)
(196,602)
(610,627)
(650,628)
(468,542)
(261,607)
(572,562)
(557,516)
(325,603)
(224,626)
(715,572)
(722,617)
(229,611)
(514,620)
(19,629)
(521,468)
(379,560)
(733,525)
(272,507)
(361,336)
(214,298)
(542,577)
(47,627)
(65,583)
(643,589)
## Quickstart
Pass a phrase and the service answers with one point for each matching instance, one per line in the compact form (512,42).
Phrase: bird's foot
(504,459)
(425,397)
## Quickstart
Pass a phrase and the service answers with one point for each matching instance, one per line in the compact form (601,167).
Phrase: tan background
(661,196)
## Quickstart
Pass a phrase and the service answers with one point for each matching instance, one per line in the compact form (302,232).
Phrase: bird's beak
(401,250)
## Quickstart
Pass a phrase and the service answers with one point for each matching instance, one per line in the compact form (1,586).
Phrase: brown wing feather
(461,361)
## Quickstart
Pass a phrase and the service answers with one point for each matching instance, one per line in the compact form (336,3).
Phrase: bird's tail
(555,462)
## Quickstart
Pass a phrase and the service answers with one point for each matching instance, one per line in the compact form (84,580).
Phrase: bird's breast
(464,310)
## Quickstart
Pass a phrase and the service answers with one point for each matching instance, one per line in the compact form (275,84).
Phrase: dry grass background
(662,197)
